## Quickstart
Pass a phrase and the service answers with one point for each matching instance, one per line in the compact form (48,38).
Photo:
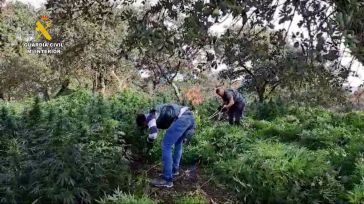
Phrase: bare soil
(190,182)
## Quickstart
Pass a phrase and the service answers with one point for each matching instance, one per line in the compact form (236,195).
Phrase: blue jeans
(181,128)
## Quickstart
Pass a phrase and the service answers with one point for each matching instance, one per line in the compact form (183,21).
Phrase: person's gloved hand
(224,108)
(150,140)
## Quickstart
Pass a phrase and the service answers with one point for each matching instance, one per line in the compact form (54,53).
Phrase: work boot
(161,182)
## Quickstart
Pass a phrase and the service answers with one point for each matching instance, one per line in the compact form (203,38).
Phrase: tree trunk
(101,83)
(94,84)
(261,97)
(63,89)
(2,96)
(120,83)
(260,93)
(150,87)
(176,92)
(45,93)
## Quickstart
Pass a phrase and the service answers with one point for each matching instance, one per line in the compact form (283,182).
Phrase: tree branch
(290,24)
(175,74)
(248,71)
(273,88)
(263,88)
(176,91)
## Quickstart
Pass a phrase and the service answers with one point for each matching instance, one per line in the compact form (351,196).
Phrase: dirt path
(190,182)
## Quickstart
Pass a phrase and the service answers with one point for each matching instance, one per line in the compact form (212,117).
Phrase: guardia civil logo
(43,42)
(41,28)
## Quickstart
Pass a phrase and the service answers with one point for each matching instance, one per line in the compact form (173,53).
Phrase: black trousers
(236,112)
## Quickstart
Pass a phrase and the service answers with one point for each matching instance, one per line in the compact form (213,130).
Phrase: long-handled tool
(215,114)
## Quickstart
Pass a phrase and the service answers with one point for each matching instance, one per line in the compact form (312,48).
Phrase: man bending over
(180,124)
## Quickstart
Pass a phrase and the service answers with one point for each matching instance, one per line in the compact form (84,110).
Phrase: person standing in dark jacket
(234,104)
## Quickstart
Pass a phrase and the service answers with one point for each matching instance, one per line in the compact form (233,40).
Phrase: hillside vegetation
(78,148)
(67,113)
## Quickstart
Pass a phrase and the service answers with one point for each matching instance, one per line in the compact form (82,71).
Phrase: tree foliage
(92,33)
(350,18)
(22,74)
(173,41)
(167,33)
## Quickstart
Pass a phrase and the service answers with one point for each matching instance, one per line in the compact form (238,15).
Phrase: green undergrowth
(80,148)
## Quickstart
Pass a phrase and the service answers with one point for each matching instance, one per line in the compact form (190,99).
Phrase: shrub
(319,115)
(356,195)
(327,136)
(125,106)
(62,152)
(215,143)
(268,110)
(275,173)
(355,119)
(208,108)
(197,199)
(118,197)
(279,129)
